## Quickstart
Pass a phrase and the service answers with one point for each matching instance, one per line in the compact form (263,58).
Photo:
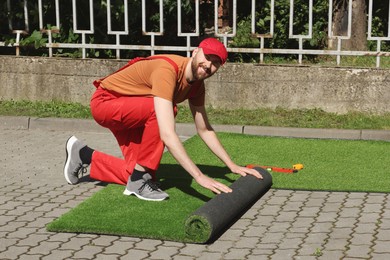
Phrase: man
(138,104)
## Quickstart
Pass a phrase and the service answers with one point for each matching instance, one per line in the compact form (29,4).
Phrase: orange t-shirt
(158,78)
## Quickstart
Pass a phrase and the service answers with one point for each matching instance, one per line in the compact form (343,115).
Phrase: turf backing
(330,165)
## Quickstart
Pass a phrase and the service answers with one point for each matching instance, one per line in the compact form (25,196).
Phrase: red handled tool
(276,169)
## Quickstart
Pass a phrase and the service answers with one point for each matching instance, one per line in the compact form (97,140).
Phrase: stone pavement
(283,224)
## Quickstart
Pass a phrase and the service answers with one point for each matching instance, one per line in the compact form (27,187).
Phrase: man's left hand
(243,171)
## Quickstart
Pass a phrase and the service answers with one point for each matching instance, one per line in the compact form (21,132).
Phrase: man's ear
(194,52)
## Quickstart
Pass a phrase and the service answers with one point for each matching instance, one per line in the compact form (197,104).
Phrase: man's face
(204,66)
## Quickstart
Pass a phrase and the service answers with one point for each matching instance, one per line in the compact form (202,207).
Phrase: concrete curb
(186,129)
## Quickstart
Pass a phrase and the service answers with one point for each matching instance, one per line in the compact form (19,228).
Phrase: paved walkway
(284,224)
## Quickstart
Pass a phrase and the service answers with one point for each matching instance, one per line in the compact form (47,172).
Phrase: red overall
(133,122)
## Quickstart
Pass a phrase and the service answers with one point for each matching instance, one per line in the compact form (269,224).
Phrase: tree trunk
(358,40)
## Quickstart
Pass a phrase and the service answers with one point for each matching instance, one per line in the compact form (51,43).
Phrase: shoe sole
(128,193)
(68,146)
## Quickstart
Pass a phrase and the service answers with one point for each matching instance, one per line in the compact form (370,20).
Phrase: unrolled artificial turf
(329,165)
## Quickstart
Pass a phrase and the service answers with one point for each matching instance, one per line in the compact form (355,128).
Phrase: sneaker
(73,164)
(145,189)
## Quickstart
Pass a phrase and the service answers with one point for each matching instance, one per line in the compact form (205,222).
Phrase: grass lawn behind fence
(304,118)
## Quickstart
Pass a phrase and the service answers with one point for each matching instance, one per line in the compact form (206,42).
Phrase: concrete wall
(234,86)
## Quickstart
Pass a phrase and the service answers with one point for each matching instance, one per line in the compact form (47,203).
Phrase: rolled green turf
(215,216)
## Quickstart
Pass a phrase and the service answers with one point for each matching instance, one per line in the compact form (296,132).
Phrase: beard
(195,67)
(194,70)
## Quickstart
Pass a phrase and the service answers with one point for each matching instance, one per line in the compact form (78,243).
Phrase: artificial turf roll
(219,213)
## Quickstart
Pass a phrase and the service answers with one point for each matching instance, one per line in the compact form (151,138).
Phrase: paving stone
(369,208)
(120,247)
(148,244)
(382,235)
(375,198)
(382,247)
(279,227)
(336,244)
(58,254)
(293,206)
(60,237)
(379,256)
(22,232)
(349,212)
(365,228)
(354,203)
(341,233)
(5,243)
(237,253)
(254,231)
(220,246)
(241,224)
(44,248)
(210,255)
(336,197)
(369,217)
(273,238)
(290,243)
(299,196)
(345,222)
(75,243)
(327,217)
(247,242)
(309,211)
(314,202)
(182,257)
(32,240)
(192,250)
(361,239)
(104,240)
(321,227)
(164,252)
(231,235)
(30,257)
(88,252)
(263,220)
(316,238)
(332,254)
(309,249)
(358,251)
(5,219)
(283,254)
(286,216)
(135,256)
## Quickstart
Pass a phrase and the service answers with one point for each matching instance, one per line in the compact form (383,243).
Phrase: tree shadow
(174,176)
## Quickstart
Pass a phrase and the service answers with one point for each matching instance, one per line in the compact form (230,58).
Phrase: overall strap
(97,82)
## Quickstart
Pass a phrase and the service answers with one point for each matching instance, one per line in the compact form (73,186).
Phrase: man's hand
(243,171)
(212,184)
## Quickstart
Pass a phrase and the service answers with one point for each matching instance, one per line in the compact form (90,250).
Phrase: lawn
(329,165)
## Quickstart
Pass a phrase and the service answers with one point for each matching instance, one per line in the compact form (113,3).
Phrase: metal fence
(217,30)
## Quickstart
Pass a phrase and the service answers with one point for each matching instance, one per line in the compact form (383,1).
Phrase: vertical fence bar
(226,34)
(270,34)
(300,37)
(153,34)
(83,32)
(49,31)
(179,25)
(18,32)
(339,38)
(376,38)
(117,33)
